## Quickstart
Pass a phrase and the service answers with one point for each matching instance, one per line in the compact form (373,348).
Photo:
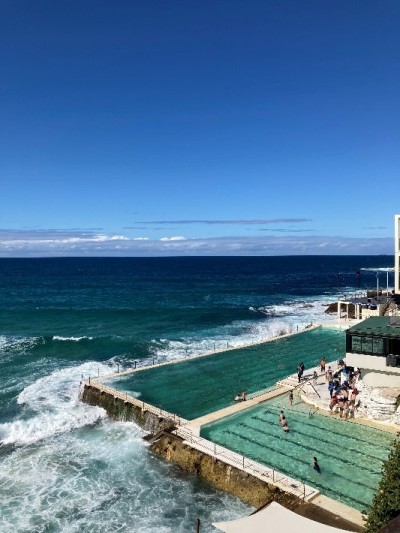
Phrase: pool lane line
(389,429)
(307,478)
(345,436)
(308,448)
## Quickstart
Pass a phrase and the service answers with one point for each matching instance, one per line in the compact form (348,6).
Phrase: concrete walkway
(317,395)
(339,509)
(148,365)
(195,424)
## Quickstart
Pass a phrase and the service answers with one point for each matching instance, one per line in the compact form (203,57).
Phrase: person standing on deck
(302,368)
(323,364)
(328,374)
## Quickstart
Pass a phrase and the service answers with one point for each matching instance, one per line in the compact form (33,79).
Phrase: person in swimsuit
(334,401)
(241,398)
(316,465)
(291,397)
(283,421)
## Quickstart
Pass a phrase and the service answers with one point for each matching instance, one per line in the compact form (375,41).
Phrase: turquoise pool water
(193,388)
(350,455)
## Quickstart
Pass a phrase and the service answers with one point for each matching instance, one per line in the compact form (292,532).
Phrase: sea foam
(51,406)
(288,317)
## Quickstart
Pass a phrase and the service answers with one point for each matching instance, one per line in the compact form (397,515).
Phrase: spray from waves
(377,269)
(73,339)
(309,310)
(78,347)
(290,317)
(102,479)
(12,346)
(51,406)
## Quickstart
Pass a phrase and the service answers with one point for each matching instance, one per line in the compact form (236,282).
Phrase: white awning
(274,519)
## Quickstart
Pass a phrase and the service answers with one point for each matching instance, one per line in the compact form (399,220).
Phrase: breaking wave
(51,407)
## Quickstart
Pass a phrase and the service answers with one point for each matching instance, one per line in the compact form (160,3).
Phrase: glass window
(378,348)
(356,344)
(367,345)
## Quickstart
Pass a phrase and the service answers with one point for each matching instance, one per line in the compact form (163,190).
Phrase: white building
(374,346)
(397,254)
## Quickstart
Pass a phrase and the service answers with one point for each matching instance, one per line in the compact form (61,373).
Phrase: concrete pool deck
(318,396)
(196,424)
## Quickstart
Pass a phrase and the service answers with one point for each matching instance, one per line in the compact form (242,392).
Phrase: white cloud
(177,238)
(56,243)
(225,222)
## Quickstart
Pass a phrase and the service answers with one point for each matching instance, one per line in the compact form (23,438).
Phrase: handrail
(138,403)
(298,488)
(286,483)
(147,364)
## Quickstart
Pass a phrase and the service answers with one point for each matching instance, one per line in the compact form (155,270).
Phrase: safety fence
(221,347)
(265,473)
(177,420)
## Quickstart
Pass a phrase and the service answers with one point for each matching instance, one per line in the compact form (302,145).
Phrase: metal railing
(135,401)
(265,473)
(286,483)
(221,347)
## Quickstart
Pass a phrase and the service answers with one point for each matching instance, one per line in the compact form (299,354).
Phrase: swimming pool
(350,455)
(196,387)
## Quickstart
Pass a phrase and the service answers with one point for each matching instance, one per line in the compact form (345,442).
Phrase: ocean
(63,465)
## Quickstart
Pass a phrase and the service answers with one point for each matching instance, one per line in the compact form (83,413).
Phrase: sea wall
(221,475)
(248,488)
(118,409)
(218,473)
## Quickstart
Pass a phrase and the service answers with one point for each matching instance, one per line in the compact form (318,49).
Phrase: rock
(379,403)
(333,307)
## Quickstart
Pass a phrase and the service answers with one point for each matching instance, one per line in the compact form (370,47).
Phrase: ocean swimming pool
(196,387)
(350,455)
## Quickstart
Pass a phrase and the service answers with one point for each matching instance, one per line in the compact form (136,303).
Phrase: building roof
(375,326)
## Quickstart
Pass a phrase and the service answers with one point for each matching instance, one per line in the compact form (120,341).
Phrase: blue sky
(198,127)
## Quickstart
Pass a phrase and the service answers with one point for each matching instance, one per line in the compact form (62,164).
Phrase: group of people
(345,402)
(241,397)
(300,370)
(343,391)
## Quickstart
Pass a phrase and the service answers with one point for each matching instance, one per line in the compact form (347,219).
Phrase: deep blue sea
(63,465)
